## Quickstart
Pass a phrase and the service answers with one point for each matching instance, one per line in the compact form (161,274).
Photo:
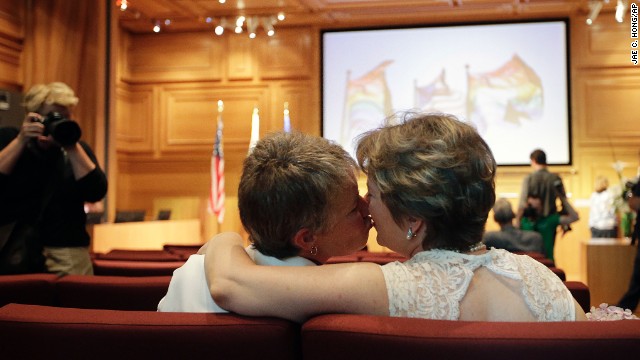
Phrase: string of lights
(238,24)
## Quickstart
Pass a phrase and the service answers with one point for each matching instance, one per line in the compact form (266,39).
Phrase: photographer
(46,175)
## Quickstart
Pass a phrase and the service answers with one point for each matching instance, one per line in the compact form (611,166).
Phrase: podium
(145,235)
(609,266)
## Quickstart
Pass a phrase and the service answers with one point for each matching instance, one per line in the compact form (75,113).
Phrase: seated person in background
(510,238)
(431,186)
(603,221)
(547,225)
(298,200)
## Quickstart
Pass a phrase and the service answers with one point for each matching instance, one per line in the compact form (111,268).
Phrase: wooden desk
(609,266)
(145,235)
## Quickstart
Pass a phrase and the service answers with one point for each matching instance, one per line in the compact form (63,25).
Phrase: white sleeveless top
(189,292)
(432,283)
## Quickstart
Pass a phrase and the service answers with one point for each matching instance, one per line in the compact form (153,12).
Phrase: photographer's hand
(31,128)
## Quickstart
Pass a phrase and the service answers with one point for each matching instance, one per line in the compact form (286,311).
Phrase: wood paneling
(12,17)
(287,55)
(240,59)
(605,43)
(174,57)
(134,120)
(609,110)
(190,113)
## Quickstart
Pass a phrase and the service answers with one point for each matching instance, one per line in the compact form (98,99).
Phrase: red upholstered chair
(139,255)
(351,337)
(42,332)
(112,292)
(343,259)
(135,268)
(534,254)
(37,289)
(581,293)
(183,250)
(547,262)
(559,272)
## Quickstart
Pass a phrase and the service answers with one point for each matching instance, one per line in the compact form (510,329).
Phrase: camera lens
(66,132)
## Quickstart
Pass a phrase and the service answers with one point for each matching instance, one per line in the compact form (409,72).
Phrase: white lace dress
(432,284)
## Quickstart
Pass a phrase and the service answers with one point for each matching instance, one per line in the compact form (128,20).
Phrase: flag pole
(255,129)
(217,194)
(287,119)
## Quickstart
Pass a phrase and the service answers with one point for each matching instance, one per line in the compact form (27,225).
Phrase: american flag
(216,196)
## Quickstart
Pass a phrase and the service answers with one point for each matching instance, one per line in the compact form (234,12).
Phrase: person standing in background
(46,175)
(603,221)
(543,183)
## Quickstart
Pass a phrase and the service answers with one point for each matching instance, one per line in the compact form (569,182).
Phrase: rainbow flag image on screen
(510,94)
(367,103)
(438,97)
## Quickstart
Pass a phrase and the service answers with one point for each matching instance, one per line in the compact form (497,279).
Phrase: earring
(410,233)
(314,250)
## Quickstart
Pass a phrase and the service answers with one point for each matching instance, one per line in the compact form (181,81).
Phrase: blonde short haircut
(52,93)
(601,183)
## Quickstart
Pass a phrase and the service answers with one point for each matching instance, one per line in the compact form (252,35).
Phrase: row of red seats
(44,332)
(119,262)
(80,291)
(123,292)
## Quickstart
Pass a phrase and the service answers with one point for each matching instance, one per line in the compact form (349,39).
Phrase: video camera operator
(46,175)
(537,209)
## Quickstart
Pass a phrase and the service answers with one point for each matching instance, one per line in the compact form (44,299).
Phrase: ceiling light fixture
(122,4)
(621,7)
(252,25)
(267,25)
(595,7)
(156,26)
(219,29)
(241,23)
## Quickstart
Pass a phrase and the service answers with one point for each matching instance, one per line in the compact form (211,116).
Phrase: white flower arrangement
(606,312)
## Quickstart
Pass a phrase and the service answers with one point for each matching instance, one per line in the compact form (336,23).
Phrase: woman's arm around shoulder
(295,293)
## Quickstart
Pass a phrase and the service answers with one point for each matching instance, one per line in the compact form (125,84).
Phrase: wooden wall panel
(12,22)
(240,57)
(300,96)
(605,43)
(190,116)
(134,120)
(609,112)
(287,55)
(174,57)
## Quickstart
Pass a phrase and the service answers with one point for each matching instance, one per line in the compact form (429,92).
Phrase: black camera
(65,132)
(530,212)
